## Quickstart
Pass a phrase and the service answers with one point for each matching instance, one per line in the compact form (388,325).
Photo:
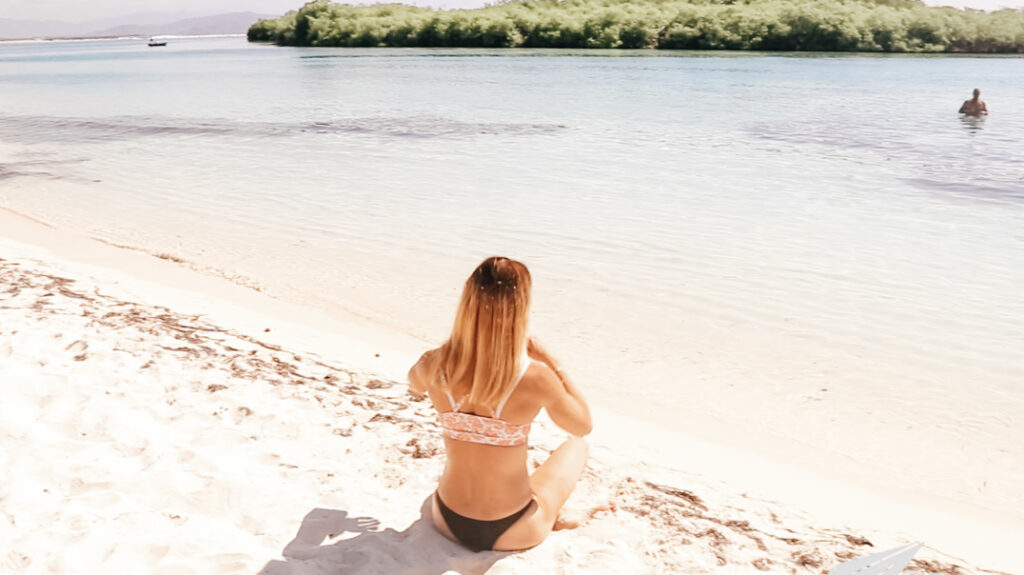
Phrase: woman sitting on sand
(488,382)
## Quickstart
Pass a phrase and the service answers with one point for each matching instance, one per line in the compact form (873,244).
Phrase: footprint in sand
(131,449)
(78,486)
(175,569)
(77,349)
(126,557)
(99,499)
(228,562)
(14,561)
(76,526)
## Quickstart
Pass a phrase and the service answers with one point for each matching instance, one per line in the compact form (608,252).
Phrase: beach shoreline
(821,287)
(663,499)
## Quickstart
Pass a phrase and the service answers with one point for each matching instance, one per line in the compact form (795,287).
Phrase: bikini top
(479,429)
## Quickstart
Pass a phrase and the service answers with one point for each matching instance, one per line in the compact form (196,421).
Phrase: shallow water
(809,250)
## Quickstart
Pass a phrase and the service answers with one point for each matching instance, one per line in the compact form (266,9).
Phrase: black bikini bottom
(477,534)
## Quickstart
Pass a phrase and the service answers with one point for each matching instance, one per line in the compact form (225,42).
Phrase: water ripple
(71,129)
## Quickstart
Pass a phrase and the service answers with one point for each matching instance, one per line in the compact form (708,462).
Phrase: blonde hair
(489,336)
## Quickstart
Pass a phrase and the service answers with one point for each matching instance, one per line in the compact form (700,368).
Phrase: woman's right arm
(564,400)
(567,407)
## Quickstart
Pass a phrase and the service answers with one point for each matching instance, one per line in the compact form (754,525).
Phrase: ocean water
(810,253)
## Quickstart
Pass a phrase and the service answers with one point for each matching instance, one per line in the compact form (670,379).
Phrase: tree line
(790,25)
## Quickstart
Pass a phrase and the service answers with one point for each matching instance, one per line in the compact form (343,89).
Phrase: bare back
(491,482)
(486,481)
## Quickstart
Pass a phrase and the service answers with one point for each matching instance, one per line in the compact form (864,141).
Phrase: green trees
(811,25)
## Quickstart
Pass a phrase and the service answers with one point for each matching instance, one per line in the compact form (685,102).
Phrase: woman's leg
(552,483)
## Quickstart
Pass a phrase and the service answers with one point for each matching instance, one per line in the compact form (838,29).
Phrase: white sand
(150,423)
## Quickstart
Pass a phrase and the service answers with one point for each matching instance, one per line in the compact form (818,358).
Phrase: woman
(488,382)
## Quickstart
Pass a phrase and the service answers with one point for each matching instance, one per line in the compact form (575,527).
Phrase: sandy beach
(156,420)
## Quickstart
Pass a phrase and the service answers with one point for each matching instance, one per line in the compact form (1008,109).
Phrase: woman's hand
(537,351)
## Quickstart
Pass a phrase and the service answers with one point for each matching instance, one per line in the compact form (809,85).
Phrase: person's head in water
(977,93)
(482,356)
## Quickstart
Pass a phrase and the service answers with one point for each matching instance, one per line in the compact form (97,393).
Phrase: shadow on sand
(419,550)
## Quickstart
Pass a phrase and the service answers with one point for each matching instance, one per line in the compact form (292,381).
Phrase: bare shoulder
(430,356)
(543,381)
(422,371)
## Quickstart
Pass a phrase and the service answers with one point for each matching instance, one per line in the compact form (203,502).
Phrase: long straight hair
(482,357)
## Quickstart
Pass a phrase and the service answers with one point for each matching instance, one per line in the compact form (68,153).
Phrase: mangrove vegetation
(804,25)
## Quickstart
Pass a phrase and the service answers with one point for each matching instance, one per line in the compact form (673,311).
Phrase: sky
(85,10)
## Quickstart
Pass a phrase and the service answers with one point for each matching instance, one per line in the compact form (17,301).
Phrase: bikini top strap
(448,392)
(501,404)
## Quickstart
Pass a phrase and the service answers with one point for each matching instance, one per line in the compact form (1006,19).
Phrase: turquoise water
(716,238)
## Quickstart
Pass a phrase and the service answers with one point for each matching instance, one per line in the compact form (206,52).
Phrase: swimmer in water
(975,106)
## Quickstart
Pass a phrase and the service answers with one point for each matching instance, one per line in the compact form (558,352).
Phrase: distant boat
(154,43)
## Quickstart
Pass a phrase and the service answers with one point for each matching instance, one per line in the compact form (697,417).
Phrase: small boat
(153,43)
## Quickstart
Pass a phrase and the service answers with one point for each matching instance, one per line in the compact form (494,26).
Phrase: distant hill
(142,24)
(233,23)
(34,28)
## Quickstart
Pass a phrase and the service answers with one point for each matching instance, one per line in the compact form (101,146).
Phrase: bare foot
(564,522)
(572,520)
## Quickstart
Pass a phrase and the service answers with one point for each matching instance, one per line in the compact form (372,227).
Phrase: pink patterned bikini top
(479,429)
